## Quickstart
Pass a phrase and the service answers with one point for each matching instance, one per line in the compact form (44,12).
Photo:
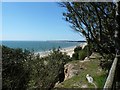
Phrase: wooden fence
(111,82)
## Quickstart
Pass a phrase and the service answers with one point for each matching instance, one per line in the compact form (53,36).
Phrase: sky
(38,21)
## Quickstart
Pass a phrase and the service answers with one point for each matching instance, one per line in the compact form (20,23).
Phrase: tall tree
(95,20)
(117,34)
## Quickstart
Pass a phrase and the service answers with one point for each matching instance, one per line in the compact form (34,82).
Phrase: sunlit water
(38,46)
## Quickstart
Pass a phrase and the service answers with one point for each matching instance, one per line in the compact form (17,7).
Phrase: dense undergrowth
(80,54)
(23,69)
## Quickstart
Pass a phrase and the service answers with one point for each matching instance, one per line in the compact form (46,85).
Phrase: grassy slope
(88,67)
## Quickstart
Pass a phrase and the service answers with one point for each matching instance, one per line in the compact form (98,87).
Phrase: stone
(69,71)
(84,86)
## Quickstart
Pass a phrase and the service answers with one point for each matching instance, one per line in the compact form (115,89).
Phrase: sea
(39,46)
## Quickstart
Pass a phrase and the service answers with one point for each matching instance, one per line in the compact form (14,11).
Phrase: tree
(95,21)
(117,32)
(20,66)
(13,71)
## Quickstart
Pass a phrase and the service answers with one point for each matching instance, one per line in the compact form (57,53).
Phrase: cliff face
(72,69)
(75,73)
(69,71)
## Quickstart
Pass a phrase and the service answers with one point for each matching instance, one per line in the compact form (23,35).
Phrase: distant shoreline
(44,40)
(64,41)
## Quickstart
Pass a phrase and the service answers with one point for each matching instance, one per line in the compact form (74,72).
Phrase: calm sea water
(39,46)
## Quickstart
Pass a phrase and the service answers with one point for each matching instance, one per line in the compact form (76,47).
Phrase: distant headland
(64,41)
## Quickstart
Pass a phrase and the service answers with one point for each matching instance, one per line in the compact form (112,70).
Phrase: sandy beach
(69,51)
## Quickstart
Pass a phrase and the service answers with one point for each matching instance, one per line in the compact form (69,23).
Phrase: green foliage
(77,49)
(88,67)
(23,69)
(107,61)
(100,80)
(95,21)
(80,54)
(48,70)
(13,72)
(76,52)
(75,56)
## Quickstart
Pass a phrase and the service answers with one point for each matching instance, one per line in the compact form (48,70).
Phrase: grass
(88,67)
(100,80)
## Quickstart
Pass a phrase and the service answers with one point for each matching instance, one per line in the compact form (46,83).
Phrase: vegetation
(77,49)
(91,67)
(95,21)
(22,69)
(98,23)
(80,54)
(13,72)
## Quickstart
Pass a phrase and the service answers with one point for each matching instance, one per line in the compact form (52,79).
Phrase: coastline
(68,50)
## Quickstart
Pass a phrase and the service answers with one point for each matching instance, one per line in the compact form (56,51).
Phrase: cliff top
(76,71)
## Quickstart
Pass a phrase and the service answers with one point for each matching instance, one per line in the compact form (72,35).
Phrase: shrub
(76,52)
(77,49)
(75,55)
(23,70)
(82,54)
(13,72)
(46,75)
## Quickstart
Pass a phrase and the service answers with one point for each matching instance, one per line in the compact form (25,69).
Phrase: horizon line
(42,40)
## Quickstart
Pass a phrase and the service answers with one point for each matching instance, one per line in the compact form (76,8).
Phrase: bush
(47,71)
(75,56)
(76,52)
(82,54)
(77,49)
(13,72)
(23,70)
